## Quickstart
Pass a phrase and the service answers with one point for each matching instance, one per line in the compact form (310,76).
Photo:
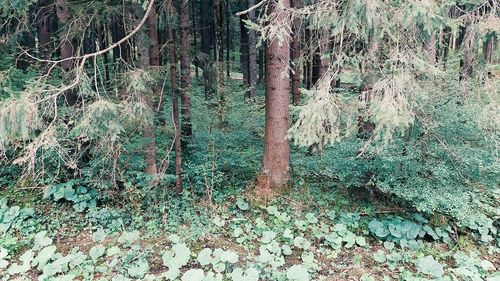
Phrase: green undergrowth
(239,239)
(411,212)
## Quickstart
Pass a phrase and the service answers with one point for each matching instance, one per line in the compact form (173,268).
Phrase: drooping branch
(109,48)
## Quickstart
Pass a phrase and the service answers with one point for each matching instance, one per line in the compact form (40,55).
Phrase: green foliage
(428,265)
(408,233)
(72,191)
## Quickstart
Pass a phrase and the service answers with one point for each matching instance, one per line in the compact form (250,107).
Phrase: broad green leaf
(298,272)
(428,265)
(138,269)
(242,204)
(99,235)
(44,256)
(205,257)
(193,275)
(96,252)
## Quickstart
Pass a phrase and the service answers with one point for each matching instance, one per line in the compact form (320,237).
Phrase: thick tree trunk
(154,55)
(185,70)
(252,54)
(43,22)
(295,54)
(175,104)
(66,49)
(66,45)
(276,161)
(324,60)
(143,47)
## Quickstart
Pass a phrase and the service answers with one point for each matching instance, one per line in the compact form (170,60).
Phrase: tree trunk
(154,56)
(431,49)
(206,48)
(295,54)
(489,46)
(262,63)
(66,49)
(252,54)
(43,27)
(185,70)
(244,55)
(104,45)
(66,46)
(195,36)
(324,61)
(175,103)
(143,47)
(276,160)
(309,60)
(228,38)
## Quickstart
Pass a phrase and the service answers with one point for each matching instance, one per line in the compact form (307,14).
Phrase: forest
(247,140)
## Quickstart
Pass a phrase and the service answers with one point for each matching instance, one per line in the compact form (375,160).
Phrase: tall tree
(144,62)
(252,54)
(244,50)
(66,46)
(43,22)
(276,161)
(175,102)
(185,70)
(154,55)
(324,45)
(228,38)
(206,61)
(295,53)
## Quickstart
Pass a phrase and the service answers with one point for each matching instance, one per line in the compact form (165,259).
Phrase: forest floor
(316,230)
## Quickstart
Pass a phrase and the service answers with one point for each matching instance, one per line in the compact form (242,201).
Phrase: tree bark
(324,61)
(276,160)
(154,55)
(206,48)
(43,22)
(195,36)
(431,49)
(309,60)
(66,49)
(228,38)
(262,63)
(143,47)
(66,45)
(186,71)
(244,57)
(175,103)
(489,46)
(252,55)
(295,54)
